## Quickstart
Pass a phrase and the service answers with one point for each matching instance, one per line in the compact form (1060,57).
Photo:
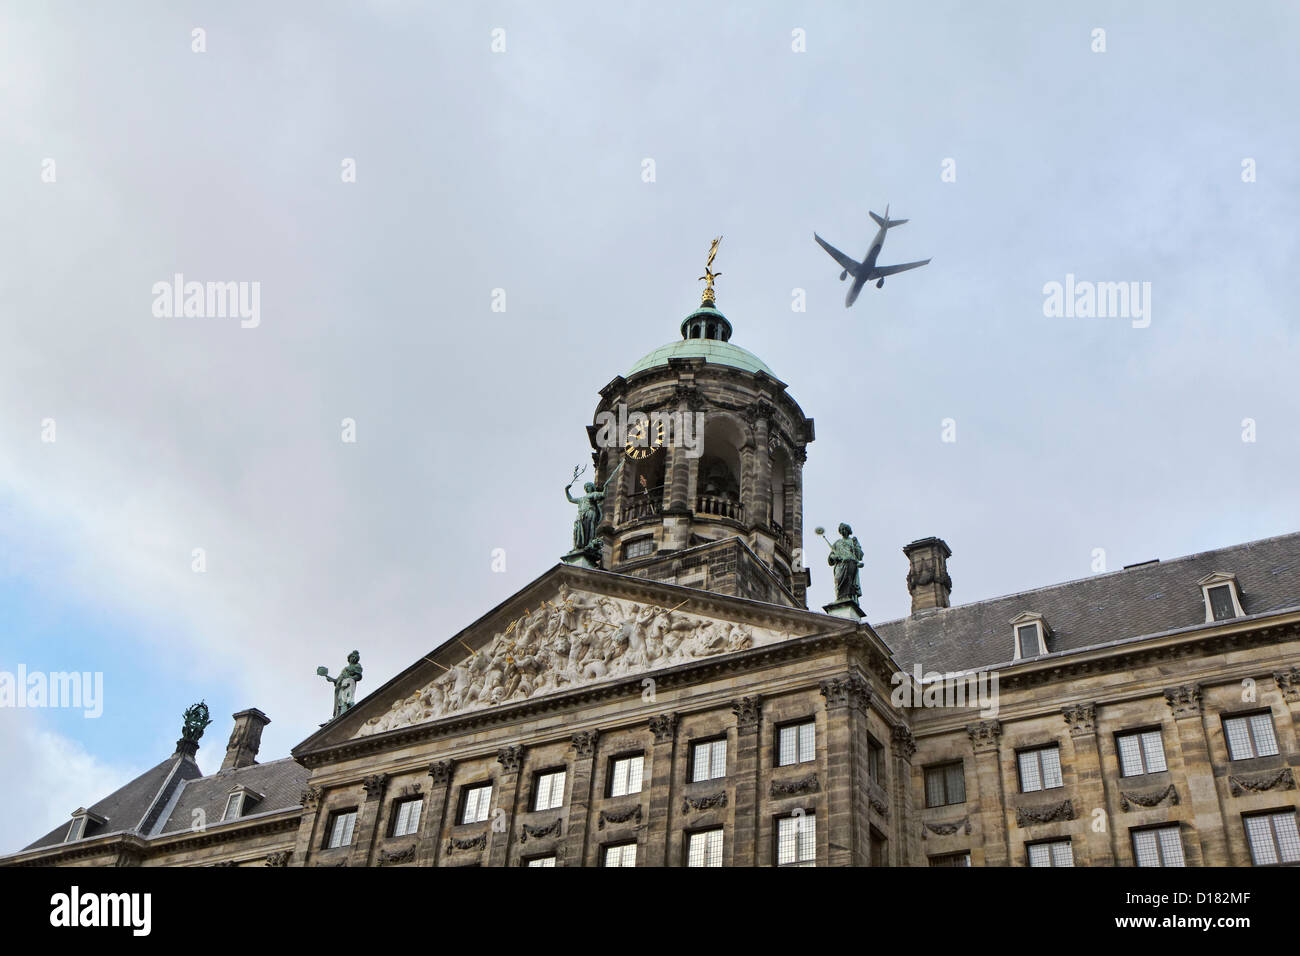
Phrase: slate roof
(280,782)
(133,807)
(1144,600)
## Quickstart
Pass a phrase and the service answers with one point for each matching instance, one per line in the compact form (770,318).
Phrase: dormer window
(1222,596)
(1029,635)
(81,819)
(239,801)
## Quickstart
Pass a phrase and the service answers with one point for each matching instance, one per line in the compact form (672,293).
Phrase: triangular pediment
(570,629)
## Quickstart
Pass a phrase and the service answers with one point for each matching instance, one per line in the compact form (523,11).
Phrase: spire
(707,299)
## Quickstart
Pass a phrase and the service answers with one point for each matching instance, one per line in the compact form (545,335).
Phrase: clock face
(643,439)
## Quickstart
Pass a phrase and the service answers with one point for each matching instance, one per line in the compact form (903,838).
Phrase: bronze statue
(196,720)
(846,559)
(345,685)
(589,509)
(710,275)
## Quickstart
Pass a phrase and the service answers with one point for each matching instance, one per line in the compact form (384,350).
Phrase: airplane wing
(881,271)
(848,265)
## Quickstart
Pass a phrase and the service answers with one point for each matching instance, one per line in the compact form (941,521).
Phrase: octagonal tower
(719,505)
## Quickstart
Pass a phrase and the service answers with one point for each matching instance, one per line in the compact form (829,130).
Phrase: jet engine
(880,284)
(844,275)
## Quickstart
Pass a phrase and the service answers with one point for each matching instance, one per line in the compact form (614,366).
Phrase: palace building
(672,701)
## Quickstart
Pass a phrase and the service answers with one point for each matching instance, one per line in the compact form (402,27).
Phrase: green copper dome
(704,335)
(711,350)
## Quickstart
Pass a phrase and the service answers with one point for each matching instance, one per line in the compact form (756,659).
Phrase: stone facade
(697,655)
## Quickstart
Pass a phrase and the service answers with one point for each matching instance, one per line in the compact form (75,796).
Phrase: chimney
(927,578)
(245,739)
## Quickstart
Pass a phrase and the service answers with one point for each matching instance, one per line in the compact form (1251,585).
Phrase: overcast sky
(522,170)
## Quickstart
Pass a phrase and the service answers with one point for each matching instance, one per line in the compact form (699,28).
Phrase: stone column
(1207,815)
(435,813)
(507,796)
(763,470)
(575,834)
(847,697)
(749,719)
(660,775)
(901,818)
(374,785)
(1082,721)
(305,841)
(984,737)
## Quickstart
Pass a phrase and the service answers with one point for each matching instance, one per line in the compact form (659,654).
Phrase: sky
(501,149)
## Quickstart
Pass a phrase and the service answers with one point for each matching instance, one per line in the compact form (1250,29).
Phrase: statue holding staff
(846,559)
(589,508)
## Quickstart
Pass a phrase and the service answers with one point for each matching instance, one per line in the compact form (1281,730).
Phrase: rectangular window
(342,823)
(406,819)
(1250,736)
(1158,846)
(1140,753)
(542,861)
(1054,853)
(1273,838)
(549,792)
(475,803)
(951,859)
(875,760)
(709,760)
(638,548)
(1221,602)
(704,848)
(796,743)
(945,785)
(232,806)
(1027,634)
(1040,769)
(77,829)
(623,854)
(625,775)
(796,840)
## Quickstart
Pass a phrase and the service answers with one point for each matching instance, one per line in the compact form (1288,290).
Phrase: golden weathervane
(709,274)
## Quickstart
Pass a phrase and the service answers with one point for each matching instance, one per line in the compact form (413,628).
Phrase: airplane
(866,270)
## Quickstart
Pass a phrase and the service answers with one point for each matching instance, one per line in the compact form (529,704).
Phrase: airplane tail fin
(887,223)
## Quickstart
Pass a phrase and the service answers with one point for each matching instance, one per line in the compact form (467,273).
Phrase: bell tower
(710,493)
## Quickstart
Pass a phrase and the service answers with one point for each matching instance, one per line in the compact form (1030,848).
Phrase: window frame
(613,770)
(463,803)
(645,539)
(1270,816)
(395,815)
(538,777)
(1051,856)
(621,846)
(707,742)
(798,843)
(960,854)
(1248,717)
(1042,777)
(332,823)
(1156,830)
(1220,579)
(1140,733)
(941,767)
(796,726)
(705,832)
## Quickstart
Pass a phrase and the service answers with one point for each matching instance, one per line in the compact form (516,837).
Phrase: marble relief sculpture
(580,638)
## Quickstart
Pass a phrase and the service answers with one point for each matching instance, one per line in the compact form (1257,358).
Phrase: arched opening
(717,483)
(782,476)
(646,490)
